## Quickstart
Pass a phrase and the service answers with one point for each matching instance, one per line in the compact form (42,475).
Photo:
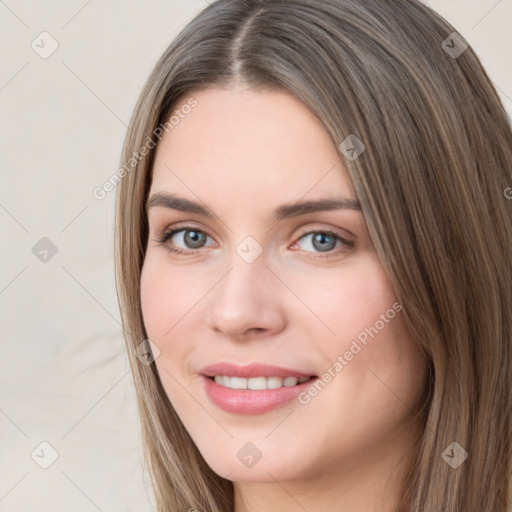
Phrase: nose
(247,300)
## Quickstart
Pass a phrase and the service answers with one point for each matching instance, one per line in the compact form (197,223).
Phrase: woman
(313,249)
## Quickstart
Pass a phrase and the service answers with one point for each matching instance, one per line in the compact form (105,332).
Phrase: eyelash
(166,235)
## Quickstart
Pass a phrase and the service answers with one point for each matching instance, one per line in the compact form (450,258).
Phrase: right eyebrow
(177,203)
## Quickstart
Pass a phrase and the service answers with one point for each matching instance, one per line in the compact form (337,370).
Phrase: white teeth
(238,383)
(274,382)
(258,383)
(290,381)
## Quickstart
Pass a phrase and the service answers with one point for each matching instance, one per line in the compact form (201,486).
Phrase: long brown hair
(431,182)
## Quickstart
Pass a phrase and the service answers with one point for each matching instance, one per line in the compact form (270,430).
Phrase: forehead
(256,148)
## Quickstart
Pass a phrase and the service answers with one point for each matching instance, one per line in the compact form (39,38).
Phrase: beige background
(64,376)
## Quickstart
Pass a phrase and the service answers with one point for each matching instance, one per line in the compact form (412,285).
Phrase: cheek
(367,328)
(171,302)
(154,300)
(348,300)
(166,297)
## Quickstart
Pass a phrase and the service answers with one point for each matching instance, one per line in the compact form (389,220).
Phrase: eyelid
(348,245)
(165,234)
(323,229)
(302,232)
(171,231)
(182,226)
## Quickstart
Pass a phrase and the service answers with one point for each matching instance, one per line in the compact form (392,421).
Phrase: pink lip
(246,401)
(251,370)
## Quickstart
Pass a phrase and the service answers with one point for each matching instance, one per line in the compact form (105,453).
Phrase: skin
(243,153)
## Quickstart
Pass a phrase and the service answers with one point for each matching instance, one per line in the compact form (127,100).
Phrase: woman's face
(272,285)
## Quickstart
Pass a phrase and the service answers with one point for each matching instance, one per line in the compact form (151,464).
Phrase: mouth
(254,388)
(259,392)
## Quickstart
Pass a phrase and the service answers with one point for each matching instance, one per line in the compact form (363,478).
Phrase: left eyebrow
(285,211)
(301,208)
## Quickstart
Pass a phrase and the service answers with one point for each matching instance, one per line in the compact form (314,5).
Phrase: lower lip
(247,401)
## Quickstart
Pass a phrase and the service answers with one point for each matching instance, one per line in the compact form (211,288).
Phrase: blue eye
(188,240)
(324,242)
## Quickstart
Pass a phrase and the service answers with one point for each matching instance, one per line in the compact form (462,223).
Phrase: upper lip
(251,370)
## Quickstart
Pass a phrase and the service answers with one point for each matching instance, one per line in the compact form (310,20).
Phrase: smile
(254,395)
